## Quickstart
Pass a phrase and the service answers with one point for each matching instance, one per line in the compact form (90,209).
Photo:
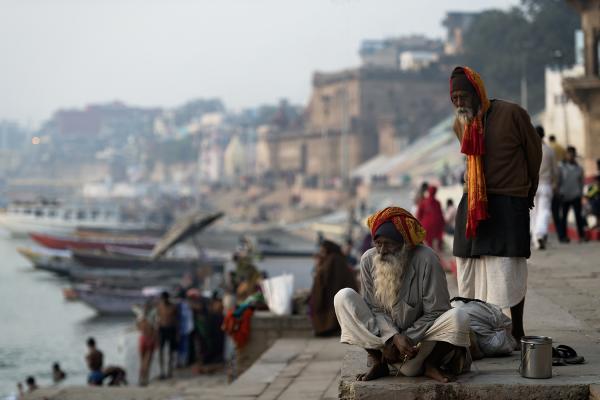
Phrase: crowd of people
(185,331)
(562,189)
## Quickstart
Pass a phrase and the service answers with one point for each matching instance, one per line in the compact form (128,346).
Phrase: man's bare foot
(437,374)
(378,370)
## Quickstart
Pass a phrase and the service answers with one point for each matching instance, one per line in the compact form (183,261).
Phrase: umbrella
(182,230)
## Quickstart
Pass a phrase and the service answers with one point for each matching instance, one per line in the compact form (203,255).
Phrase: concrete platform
(496,378)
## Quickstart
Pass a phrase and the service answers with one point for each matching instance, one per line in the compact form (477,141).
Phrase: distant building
(585,90)
(234,159)
(351,116)
(387,53)
(417,60)
(562,118)
(457,23)
(211,158)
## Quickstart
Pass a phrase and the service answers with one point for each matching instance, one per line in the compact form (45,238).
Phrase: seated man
(403,317)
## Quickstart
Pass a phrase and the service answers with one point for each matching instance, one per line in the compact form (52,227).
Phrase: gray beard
(388,274)
(464,115)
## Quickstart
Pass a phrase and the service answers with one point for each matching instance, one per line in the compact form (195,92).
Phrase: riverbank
(563,302)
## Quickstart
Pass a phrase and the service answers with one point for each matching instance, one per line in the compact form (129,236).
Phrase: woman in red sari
(431,217)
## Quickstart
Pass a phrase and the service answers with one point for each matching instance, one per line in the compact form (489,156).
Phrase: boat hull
(110,301)
(116,261)
(64,242)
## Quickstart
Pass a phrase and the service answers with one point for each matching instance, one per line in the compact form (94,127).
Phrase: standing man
(167,332)
(504,152)
(94,359)
(541,213)
(403,316)
(570,192)
(559,154)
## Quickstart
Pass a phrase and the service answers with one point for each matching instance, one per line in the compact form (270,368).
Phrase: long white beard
(464,115)
(388,274)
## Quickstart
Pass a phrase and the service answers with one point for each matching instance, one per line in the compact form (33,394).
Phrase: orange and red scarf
(473,146)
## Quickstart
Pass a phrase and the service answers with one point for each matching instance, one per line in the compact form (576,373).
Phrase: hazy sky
(68,53)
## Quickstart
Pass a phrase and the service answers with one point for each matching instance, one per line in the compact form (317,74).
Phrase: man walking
(570,192)
(559,154)
(492,240)
(541,213)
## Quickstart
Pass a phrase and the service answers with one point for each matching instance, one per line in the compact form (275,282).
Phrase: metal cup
(536,357)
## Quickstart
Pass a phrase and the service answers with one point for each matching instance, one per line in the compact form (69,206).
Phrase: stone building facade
(585,90)
(352,115)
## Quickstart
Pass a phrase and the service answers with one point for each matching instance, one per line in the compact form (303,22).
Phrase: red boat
(61,242)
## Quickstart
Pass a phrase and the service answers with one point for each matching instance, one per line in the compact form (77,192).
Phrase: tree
(504,45)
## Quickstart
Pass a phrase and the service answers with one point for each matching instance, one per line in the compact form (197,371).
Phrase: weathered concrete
(293,369)
(266,329)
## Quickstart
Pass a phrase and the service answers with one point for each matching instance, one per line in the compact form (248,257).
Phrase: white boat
(50,217)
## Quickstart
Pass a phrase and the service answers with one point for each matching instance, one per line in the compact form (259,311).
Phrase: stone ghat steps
(302,369)
(496,378)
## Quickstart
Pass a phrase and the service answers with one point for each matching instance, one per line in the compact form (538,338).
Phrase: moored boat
(106,300)
(99,259)
(57,261)
(20,218)
(64,242)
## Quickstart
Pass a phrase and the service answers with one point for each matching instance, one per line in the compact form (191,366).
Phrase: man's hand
(405,346)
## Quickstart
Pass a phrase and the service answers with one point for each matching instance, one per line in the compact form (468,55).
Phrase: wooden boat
(113,301)
(100,259)
(274,251)
(57,261)
(64,242)
(124,278)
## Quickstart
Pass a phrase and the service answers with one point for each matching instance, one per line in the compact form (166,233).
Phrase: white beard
(388,275)
(464,115)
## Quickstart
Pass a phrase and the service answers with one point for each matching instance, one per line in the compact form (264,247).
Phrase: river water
(38,327)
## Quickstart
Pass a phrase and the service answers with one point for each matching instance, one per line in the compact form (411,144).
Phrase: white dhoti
(359,327)
(497,280)
(541,213)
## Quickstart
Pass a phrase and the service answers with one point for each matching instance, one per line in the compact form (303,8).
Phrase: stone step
(293,369)
(496,378)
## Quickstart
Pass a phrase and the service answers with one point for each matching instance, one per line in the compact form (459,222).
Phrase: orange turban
(409,227)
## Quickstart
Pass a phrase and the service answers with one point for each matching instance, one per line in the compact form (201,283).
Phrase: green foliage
(503,45)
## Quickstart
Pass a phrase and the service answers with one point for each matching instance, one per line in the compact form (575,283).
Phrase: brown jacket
(513,151)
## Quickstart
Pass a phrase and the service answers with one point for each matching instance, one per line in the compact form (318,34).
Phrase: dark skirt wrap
(504,234)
